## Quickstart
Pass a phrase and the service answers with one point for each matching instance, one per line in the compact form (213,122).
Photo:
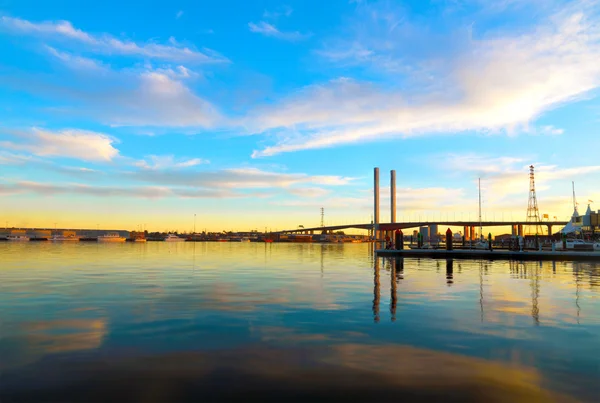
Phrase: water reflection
(194,318)
(376,290)
(449,271)
(345,372)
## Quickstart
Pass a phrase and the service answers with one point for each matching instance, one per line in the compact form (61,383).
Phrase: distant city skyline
(252,115)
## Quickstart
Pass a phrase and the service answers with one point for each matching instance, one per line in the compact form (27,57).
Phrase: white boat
(17,238)
(245,239)
(481,245)
(174,238)
(111,237)
(63,238)
(573,244)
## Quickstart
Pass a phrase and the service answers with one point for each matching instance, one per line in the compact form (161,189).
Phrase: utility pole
(480,226)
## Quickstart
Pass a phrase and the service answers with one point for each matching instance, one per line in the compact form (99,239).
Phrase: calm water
(291,322)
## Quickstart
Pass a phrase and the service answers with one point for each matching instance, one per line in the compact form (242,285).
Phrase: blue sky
(256,114)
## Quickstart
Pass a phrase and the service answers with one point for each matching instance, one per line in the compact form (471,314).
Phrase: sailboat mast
(574,200)
(480,226)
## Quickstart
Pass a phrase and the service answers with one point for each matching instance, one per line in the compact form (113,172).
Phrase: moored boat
(17,238)
(111,237)
(64,238)
(174,238)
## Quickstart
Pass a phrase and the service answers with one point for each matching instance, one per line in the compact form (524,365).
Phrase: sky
(255,115)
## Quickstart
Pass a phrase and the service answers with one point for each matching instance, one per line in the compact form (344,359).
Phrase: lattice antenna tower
(533,213)
(322,217)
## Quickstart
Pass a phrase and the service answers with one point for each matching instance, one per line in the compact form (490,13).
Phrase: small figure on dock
(520,243)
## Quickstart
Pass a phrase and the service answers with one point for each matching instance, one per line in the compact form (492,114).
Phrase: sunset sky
(254,114)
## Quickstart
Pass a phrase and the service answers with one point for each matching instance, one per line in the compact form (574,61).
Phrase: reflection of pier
(491,255)
(449,272)
(524,272)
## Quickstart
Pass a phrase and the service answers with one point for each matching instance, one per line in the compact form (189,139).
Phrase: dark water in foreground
(291,322)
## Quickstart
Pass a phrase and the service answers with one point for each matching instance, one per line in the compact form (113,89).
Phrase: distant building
(591,221)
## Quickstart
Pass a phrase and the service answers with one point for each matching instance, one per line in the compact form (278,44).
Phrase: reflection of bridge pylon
(376,290)
(393,290)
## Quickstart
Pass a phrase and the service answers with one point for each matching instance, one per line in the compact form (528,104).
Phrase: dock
(491,255)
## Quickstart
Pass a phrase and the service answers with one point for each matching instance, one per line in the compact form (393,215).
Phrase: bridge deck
(406,225)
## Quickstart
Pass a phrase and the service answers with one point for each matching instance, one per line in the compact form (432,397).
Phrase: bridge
(468,226)
(382,229)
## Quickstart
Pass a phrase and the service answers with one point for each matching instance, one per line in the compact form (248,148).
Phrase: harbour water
(291,322)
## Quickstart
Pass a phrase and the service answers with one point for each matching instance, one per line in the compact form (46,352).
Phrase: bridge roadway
(416,224)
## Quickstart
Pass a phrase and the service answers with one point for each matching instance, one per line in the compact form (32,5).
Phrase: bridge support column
(465,232)
(472,233)
(513,230)
(376,202)
(549,229)
(520,229)
(393,197)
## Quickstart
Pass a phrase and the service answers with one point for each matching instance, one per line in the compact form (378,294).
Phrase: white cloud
(493,83)
(264,28)
(105,43)
(70,143)
(134,97)
(549,130)
(179,14)
(158,100)
(169,162)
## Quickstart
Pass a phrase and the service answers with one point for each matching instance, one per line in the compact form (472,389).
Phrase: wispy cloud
(147,192)
(105,43)
(310,192)
(266,29)
(179,14)
(77,62)
(236,178)
(8,158)
(283,11)
(496,83)
(70,143)
(169,162)
(165,177)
